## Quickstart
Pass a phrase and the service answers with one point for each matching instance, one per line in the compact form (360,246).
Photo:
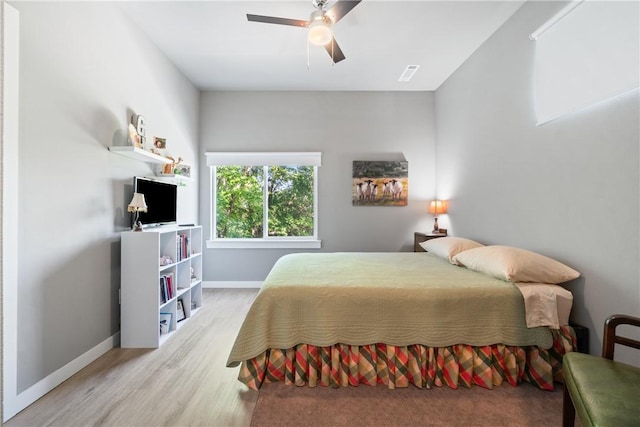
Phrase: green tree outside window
(240,201)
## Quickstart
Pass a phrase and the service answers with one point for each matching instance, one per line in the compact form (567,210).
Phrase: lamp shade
(138,204)
(437,207)
(320,29)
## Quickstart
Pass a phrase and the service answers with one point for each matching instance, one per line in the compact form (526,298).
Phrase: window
(264,200)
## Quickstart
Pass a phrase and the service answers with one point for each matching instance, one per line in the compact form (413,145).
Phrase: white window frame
(265,160)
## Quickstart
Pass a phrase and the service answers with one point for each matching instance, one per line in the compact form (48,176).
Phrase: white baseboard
(231,285)
(45,385)
(16,403)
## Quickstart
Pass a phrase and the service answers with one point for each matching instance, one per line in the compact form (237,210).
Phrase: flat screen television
(161,198)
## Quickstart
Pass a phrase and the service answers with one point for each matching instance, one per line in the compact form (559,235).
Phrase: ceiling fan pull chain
(308,67)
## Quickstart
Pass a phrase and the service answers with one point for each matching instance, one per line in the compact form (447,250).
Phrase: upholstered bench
(603,392)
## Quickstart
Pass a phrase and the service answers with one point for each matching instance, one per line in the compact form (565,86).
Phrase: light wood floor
(183,383)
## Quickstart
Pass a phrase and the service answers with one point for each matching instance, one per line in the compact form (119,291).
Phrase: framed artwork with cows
(380,183)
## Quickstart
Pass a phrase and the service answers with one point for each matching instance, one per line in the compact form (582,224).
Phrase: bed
(345,319)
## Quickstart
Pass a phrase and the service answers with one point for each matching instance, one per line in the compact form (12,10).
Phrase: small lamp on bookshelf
(137,205)
(437,207)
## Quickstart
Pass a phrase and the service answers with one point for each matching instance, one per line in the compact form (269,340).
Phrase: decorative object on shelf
(180,311)
(179,175)
(169,168)
(166,260)
(137,205)
(140,127)
(172,167)
(134,137)
(437,207)
(159,146)
(380,183)
(165,323)
(193,274)
(183,170)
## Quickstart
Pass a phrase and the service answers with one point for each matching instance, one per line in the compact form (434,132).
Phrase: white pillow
(515,265)
(448,247)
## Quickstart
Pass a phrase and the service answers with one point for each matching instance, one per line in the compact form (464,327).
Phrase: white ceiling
(218,49)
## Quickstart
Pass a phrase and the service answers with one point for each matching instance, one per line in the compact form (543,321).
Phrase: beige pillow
(448,247)
(515,265)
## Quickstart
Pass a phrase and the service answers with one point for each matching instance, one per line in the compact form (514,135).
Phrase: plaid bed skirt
(343,365)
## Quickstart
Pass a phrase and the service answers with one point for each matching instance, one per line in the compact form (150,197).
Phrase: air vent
(408,73)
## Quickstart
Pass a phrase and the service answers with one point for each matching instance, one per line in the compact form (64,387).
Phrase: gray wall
(84,69)
(344,126)
(568,189)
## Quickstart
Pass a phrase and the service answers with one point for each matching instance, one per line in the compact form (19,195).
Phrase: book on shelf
(167,287)
(183,246)
(163,289)
(171,285)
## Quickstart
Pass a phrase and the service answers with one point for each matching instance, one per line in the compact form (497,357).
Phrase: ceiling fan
(319,24)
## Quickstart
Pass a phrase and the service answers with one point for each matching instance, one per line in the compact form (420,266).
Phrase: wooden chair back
(610,337)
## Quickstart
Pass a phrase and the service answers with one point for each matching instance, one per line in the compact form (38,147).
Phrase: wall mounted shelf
(139,154)
(174,177)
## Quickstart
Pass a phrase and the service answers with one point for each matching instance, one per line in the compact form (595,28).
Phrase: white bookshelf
(141,297)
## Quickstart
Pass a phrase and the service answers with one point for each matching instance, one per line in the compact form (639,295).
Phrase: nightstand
(423,237)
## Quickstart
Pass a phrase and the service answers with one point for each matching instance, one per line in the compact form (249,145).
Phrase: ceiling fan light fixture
(320,32)
(319,25)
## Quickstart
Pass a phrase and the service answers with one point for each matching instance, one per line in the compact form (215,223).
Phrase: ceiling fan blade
(280,21)
(341,8)
(335,50)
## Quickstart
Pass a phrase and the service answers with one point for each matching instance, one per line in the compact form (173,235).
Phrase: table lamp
(437,207)
(137,205)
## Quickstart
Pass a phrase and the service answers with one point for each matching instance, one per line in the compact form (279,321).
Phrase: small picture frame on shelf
(165,323)
(159,146)
(183,170)
(180,311)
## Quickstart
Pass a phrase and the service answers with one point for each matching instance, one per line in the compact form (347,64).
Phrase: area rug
(524,405)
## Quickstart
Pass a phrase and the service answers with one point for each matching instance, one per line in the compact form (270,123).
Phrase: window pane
(290,201)
(239,201)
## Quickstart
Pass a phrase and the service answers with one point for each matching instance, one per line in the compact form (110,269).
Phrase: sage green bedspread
(397,298)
